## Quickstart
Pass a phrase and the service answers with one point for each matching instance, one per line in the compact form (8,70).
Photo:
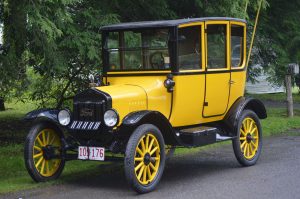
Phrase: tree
(59,42)
(279,43)
(14,42)
(65,47)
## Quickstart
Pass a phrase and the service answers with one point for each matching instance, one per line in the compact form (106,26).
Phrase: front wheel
(145,158)
(43,152)
(248,143)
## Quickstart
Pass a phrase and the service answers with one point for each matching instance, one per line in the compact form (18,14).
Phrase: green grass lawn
(13,175)
(275,97)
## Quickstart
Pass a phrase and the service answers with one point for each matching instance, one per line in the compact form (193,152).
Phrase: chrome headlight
(111,118)
(64,117)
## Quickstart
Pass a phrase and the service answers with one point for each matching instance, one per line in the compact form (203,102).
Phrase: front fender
(135,119)
(231,118)
(43,114)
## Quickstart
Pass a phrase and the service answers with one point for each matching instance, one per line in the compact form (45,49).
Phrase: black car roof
(165,23)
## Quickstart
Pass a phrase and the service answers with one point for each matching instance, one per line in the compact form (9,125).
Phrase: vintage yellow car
(165,84)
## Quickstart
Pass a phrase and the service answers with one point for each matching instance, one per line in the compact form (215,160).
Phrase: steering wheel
(157,60)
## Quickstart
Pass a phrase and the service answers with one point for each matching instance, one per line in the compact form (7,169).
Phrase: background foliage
(50,47)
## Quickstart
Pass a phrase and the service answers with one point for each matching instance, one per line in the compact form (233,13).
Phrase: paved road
(212,173)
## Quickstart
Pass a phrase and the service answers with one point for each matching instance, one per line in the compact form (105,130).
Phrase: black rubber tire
(28,152)
(130,153)
(236,142)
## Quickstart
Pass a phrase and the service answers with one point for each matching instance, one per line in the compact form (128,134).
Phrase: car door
(217,70)
(189,89)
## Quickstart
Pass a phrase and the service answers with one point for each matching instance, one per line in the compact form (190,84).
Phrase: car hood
(126,98)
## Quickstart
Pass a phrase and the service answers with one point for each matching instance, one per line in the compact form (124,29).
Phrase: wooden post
(289,96)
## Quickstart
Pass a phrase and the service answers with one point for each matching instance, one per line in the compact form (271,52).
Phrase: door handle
(231,82)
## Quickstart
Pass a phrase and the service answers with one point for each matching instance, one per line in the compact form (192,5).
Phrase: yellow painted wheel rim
(147,159)
(249,138)
(46,137)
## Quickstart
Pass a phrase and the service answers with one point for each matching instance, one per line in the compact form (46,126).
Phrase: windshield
(138,50)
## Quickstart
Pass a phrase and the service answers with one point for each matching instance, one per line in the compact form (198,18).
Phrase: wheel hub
(48,152)
(249,137)
(147,159)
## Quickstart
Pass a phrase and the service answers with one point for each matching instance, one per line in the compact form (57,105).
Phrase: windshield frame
(171,48)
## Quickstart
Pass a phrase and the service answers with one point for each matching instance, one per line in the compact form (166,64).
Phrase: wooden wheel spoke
(52,140)
(39,141)
(147,142)
(253,130)
(138,159)
(155,149)
(152,166)
(38,155)
(242,138)
(151,144)
(44,138)
(145,174)
(243,144)
(244,126)
(251,125)
(139,151)
(253,144)
(43,166)
(48,137)
(138,166)
(143,144)
(141,172)
(250,149)
(245,149)
(243,132)
(47,167)
(37,148)
(39,162)
(149,173)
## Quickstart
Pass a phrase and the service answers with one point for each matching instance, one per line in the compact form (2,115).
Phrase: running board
(200,136)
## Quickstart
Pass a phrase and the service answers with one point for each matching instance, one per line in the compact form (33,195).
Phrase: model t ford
(164,83)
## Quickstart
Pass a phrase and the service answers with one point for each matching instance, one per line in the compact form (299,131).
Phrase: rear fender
(232,117)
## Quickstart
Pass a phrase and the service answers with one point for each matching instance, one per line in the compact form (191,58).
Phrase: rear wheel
(248,143)
(43,152)
(145,158)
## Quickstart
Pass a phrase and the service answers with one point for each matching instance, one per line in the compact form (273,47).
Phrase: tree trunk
(289,96)
(2,107)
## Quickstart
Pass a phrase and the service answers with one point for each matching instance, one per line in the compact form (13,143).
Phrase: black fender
(46,115)
(135,119)
(242,103)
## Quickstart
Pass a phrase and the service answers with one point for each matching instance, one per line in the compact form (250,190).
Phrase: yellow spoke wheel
(144,158)
(249,138)
(43,152)
(46,138)
(248,143)
(147,159)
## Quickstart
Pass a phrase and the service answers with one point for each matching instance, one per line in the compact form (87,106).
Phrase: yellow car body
(219,88)
(164,84)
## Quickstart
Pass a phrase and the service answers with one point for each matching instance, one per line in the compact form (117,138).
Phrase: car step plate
(91,153)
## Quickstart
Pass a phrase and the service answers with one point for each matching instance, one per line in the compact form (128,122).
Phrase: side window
(216,46)
(189,48)
(237,45)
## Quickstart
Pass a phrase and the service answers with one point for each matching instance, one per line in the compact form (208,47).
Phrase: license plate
(91,153)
